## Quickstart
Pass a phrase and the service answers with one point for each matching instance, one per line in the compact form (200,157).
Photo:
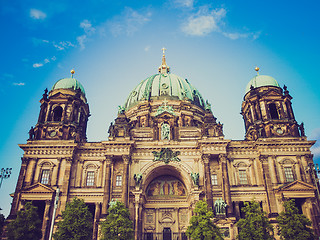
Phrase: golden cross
(165,102)
(163,50)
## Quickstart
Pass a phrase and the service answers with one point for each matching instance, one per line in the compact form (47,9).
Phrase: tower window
(45,175)
(243,177)
(118,180)
(214,179)
(57,114)
(90,178)
(273,111)
(288,173)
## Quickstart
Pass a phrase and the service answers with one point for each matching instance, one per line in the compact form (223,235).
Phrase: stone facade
(163,155)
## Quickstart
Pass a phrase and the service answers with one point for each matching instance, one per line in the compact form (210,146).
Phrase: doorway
(166,234)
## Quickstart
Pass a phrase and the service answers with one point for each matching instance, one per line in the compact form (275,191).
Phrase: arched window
(273,111)
(57,114)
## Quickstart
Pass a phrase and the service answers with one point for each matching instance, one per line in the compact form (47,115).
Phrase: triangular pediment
(38,188)
(271,93)
(166,114)
(59,95)
(296,186)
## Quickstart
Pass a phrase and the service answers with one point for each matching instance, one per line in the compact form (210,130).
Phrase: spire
(164,69)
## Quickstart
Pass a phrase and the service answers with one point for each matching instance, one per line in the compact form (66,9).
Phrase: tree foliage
(255,225)
(201,224)
(76,223)
(117,225)
(27,225)
(292,224)
(2,218)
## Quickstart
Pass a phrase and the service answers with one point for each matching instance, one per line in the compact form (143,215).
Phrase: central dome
(164,86)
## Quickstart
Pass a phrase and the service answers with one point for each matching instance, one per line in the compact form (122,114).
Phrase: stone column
(208,187)
(96,220)
(273,174)
(106,195)
(271,199)
(225,182)
(65,185)
(125,187)
(20,183)
(30,171)
(46,220)
(137,215)
(306,159)
(55,179)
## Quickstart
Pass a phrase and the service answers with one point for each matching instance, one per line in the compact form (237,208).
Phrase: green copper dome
(164,85)
(261,81)
(69,83)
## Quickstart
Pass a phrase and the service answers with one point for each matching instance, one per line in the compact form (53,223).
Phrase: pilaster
(208,187)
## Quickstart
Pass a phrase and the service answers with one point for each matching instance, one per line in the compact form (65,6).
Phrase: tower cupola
(64,112)
(267,110)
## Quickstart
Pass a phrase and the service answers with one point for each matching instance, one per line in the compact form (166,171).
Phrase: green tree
(27,225)
(117,225)
(255,225)
(2,218)
(201,224)
(76,223)
(293,225)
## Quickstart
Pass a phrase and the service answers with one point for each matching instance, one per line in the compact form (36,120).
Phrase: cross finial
(165,102)
(163,50)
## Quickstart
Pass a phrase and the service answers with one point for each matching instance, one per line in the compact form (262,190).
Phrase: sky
(113,45)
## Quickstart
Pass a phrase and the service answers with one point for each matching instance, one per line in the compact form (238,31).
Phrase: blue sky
(113,45)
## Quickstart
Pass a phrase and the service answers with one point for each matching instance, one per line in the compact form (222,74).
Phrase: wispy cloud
(45,61)
(147,48)
(315,135)
(37,14)
(203,22)
(206,21)
(129,22)
(184,3)
(88,31)
(61,45)
(19,84)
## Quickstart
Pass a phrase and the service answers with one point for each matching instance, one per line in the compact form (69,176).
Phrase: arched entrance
(166,211)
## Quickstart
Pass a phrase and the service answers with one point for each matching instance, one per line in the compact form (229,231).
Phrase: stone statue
(195,178)
(165,131)
(208,106)
(31,133)
(112,203)
(301,128)
(121,109)
(220,207)
(111,130)
(138,178)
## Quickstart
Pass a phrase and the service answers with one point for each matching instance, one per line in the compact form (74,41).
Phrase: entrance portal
(166,234)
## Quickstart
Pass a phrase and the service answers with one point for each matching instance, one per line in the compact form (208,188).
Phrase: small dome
(261,81)
(69,83)
(164,85)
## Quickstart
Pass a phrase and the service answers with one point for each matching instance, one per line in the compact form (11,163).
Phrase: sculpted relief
(166,186)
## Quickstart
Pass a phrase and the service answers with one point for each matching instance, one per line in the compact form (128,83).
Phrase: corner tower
(64,112)
(267,110)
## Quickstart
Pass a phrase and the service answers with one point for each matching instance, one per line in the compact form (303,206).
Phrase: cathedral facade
(166,151)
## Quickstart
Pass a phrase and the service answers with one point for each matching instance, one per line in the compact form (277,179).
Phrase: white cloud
(37,14)
(184,3)
(315,135)
(87,27)
(19,84)
(129,22)
(235,36)
(45,61)
(82,40)
(204,22)
(37,65)
(147,48)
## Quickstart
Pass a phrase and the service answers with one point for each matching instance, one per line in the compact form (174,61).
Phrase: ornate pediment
(38,188)
(295,186)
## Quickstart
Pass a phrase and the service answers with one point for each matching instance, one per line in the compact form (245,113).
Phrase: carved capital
(223,157)
(48,201)
(25,160)
(126,159)
(309,157)
(263,158)
(206,158)
(109,159)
